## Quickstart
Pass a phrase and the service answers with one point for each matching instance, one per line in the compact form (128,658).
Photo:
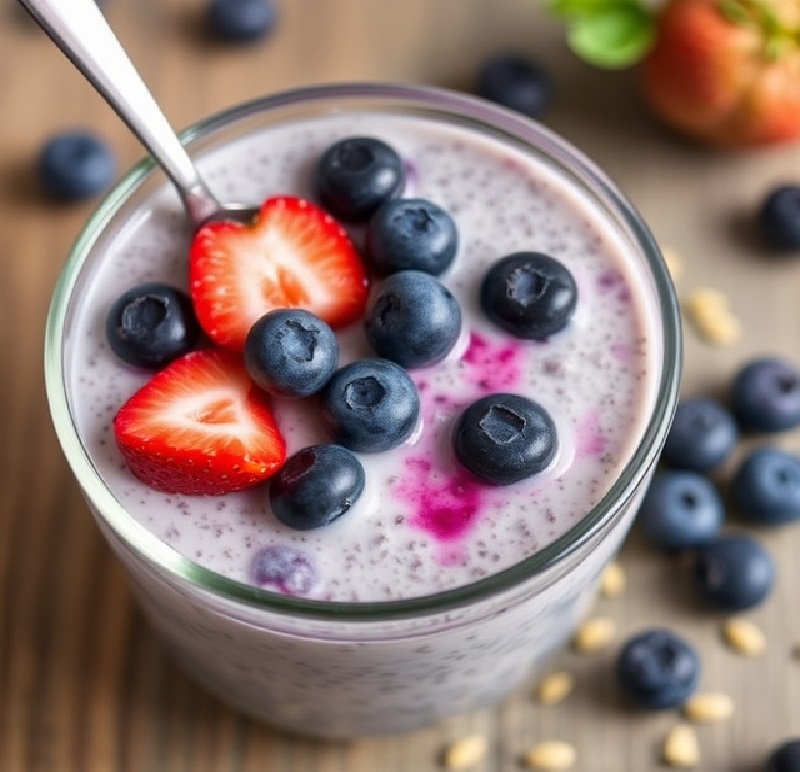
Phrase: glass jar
(339,669)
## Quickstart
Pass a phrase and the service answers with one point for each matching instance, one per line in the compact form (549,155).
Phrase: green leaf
(574,9)
(776,46)
(735,11)
(614,38)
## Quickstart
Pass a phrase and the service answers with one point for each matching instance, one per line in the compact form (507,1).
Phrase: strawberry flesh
(200,427)
(295,255)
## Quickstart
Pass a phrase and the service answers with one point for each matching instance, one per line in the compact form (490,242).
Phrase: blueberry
(529,295)
(414,320)
(370,405)
(658,670)
(241,21)
(766,486)
(733,572)
(785,757)
(316,486)
(680,509)
(285,569)
(152,324)
(356,175)
(75,165)
(765,395)
(515,82)
(779,218)
(702,435)
(290,352)
(411,233)
(504,438)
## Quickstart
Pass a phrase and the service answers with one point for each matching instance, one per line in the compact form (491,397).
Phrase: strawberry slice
(295,255)
(200,427)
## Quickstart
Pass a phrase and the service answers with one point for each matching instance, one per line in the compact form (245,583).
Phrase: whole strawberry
(727,72)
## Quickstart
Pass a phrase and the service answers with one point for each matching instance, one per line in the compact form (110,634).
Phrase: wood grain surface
(84,684)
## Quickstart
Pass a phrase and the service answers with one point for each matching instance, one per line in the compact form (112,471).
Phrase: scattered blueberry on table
(411,234)
(765,395)
(778,218)
(75,165)
(316,486)
(150,325)
(680,510)
(290,352)
(355,175)
(504,438)
(515,82)
(241,21)
(702,435)
(766,486)
(785,757)
(414,320)
(734,572)
(657,669)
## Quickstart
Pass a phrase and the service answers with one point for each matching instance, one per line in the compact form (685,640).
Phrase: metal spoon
(80,30)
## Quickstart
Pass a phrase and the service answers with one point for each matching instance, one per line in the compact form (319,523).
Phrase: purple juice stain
(452,556)
(282,568)
(443,501)
(622,352)
(589,438)
(609,279)
(445,506)
(491,366)
(613,280)
(419,465)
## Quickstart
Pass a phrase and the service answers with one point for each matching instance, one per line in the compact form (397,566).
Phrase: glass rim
(445,102)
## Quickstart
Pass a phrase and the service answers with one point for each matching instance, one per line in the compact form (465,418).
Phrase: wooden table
(84,684)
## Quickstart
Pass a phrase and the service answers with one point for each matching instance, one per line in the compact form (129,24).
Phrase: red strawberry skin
(295,255)
(714,79)
(200,427)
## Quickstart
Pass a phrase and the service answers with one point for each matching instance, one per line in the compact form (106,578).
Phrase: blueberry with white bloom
(370,405)
(414,320)
(411,234)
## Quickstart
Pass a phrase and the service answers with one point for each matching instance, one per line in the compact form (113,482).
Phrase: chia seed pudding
(424,526)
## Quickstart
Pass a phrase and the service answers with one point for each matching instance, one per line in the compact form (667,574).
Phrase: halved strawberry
(200,427)
(295,255)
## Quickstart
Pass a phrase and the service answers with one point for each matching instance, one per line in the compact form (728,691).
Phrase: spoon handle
(80,30)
